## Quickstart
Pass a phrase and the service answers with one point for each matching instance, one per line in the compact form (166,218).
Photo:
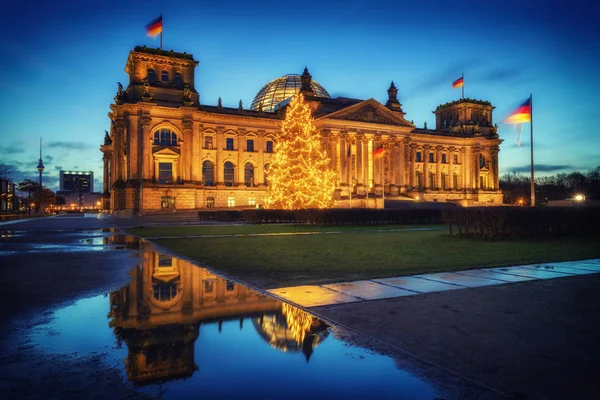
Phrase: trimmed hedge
(510,222)
(327,216)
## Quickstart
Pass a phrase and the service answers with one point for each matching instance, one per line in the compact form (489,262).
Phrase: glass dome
(281,89)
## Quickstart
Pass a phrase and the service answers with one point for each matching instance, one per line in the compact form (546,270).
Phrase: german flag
(521,114)
(378,153)
(458,83)
(154,28)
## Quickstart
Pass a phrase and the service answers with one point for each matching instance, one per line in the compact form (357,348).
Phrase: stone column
(401,162)
(105,182)
(411,166)
(494,168)
(451,168)
(465,155)
(196,146)
(260,171)
(359,159)
(343,157)
(186,154)
(146,148)
(118,149)
(241,145)
(333,140)
(426,150)
(133,151)
(366,163)
(438,166)
(219,161)
(476,167)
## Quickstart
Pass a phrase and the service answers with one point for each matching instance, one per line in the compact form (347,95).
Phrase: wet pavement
(92,313)
(168,328)
(349,292)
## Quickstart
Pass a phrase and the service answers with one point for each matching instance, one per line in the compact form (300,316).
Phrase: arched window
(431,180)
(165,291)
(419,179)
(455,180)
(249,174)
(151,76)
(208,175)
(443,182)
(266,169)
(165,137)
(482,162)
(164,76)
(178,80)
(228,173)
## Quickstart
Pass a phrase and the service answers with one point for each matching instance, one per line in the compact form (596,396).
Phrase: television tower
(40,168)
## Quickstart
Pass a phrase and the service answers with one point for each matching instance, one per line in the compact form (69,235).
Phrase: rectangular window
(230,202)
(210,202)
(230,286)
(249,145)
(165,260)
(418,156)
(251,201)
(165,173)
(455,158)
(444,158)
(229,144)
(431,157)
(208,286)
(269,146)
(208,142)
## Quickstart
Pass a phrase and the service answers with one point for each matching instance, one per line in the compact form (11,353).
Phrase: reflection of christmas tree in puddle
(292,330)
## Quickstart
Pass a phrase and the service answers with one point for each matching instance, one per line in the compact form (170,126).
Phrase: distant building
(166,150)
(8,200)
(80,200)
(77,181)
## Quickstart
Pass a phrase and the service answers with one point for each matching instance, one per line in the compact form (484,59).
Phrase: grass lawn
(244,229)
(275,261)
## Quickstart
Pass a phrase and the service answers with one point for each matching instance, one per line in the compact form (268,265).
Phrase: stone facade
(167,150)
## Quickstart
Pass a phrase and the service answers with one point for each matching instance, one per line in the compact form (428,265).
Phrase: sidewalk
(376,289)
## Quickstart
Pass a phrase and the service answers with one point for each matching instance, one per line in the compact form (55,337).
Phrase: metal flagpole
(382,183)
(462,87)
(531,144)
(161,30)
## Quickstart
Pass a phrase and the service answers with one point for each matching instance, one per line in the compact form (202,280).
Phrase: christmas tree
(299,174)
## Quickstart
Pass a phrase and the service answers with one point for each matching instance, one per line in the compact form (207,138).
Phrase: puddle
(179,331)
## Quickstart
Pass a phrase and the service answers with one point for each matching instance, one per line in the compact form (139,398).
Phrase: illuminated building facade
(76,181)
(166,149)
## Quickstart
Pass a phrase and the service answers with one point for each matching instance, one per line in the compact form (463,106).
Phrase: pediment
(369,111)
(166,151)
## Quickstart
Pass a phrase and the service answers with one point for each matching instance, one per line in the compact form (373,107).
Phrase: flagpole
(463,85)
(161,30)
(531,144)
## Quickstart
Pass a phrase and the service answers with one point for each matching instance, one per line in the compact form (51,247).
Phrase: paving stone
(461,280)
(417,284)
(586,265)
(562,269)
(312,296)
(369,290)
(529,272)
(482,273)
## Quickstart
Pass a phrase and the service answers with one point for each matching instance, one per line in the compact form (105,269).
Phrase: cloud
(58,167)
(442,77)
(13,148)
(542,168)
(71,145)
(49,158)
(502,74)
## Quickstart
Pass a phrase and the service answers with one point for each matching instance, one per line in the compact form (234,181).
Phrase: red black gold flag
(154,28)
(521,114)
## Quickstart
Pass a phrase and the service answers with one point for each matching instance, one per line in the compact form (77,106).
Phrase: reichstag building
(168,150)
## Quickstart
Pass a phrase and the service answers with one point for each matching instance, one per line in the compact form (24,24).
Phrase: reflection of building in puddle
(159,313)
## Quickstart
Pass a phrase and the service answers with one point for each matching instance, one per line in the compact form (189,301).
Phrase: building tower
(40,168)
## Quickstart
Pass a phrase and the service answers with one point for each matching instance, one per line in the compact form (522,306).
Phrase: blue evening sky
(61,61)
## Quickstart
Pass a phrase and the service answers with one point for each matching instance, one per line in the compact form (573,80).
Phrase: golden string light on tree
(299,173)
